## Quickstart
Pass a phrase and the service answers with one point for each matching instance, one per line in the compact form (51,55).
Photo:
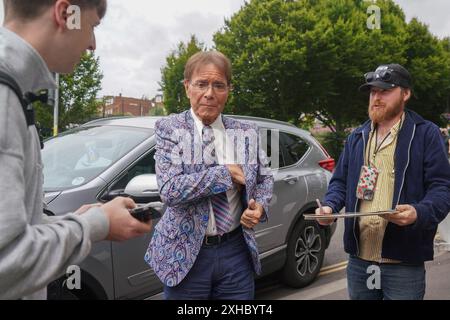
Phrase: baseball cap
(387,76)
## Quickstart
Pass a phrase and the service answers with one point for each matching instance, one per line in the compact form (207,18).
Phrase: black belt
(405,264)
(217,239)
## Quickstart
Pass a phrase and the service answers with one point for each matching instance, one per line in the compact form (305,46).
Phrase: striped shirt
(372,228)
(224,156)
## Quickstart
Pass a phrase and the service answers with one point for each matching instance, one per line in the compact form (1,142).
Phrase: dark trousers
(220,272)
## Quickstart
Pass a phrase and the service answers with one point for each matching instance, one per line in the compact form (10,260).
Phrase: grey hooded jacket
(34,249)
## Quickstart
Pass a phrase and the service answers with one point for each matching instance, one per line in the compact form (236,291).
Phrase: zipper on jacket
(354,228)
(357,200)
(407,165)
(403,178)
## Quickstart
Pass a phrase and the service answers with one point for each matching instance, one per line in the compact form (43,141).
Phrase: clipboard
(348,215)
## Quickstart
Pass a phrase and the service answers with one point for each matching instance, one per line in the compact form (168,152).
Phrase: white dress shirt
(225,155)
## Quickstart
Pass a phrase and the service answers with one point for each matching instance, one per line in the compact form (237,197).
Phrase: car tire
(56,290)
(305,253)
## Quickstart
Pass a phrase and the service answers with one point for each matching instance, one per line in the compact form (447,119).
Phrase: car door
(266,233)
(290,189)
(133,278)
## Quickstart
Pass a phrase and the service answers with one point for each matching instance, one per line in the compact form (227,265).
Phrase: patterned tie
(219,202)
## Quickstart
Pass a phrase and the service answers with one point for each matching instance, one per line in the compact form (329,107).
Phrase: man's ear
(406,94)
(60,13)
(186,87)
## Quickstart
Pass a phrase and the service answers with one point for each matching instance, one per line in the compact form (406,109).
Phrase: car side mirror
(110,195)
(143,188)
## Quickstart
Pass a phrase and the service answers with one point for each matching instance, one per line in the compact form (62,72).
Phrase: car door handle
(290,179)
(158,205)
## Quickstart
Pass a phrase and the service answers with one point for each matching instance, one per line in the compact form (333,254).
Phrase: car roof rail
(106,119)
(261,120)
(238,117)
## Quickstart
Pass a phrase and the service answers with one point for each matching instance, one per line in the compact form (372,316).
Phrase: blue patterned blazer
(186,187)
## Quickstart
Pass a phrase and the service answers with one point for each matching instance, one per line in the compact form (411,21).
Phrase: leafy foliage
(173,74)
(309,56)
(78,92)
(77,97)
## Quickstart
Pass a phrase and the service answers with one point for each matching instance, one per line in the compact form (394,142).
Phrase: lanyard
(377,147)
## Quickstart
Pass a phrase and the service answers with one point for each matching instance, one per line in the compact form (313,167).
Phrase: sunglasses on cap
(383,75)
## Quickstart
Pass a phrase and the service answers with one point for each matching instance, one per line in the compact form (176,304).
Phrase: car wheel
(305,252)
(56,290)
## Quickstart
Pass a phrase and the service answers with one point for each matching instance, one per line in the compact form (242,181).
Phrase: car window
(266,144)
(78,156)
(143,166)
(294,148)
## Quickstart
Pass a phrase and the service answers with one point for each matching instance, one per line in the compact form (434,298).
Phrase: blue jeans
(220,272)
(383,281)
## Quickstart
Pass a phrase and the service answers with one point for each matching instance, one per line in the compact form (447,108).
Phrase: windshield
(78,156)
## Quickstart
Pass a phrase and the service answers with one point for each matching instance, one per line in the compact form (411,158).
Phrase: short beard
(386,114)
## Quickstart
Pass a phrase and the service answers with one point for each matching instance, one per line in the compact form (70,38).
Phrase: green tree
(173,74)
(428,59)
(309,56)
(44,118)
(78,91)
(157,111)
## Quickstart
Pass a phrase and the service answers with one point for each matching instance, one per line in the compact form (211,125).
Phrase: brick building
(119,105)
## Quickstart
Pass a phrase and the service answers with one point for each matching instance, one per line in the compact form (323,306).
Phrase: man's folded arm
(177,188)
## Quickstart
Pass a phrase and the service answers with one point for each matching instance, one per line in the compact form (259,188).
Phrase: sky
(136,36)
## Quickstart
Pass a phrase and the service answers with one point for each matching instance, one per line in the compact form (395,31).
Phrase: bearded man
(395,161)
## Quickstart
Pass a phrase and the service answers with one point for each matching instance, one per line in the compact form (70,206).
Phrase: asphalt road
(331,284)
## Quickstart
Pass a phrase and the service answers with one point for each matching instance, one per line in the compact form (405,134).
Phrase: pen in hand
(320,206)
(324,211)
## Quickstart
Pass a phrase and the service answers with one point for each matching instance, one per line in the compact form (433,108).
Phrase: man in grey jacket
(35,249)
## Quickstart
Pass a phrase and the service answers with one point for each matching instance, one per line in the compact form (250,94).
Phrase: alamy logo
(374,280)
(374,20)
(73,281)
(74,17)
(243,147)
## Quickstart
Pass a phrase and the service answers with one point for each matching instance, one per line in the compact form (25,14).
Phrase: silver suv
(111,157)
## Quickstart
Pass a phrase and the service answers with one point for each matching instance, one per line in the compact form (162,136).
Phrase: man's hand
(252,214)
(237,175)
(122,225)
(406,215)
(325,211)
(86,207)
